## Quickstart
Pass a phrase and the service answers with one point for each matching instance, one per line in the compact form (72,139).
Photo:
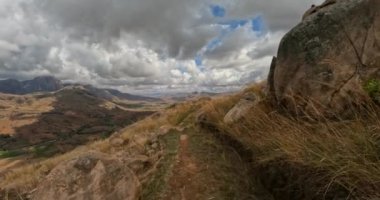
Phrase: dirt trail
(203,168)
(182,185)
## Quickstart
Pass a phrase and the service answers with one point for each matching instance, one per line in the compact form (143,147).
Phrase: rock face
(324,63)
(92,176)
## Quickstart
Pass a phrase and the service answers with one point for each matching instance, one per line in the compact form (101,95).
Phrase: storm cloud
(145,44)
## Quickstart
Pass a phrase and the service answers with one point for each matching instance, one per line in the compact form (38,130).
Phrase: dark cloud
(179,28)
(279,14)
(143,44)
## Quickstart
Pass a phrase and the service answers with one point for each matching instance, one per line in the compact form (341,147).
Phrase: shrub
(372,87)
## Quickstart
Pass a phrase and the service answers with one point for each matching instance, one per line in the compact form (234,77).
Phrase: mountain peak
(38,84)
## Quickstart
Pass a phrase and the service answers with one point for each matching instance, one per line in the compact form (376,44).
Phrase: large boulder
(325,64)
(92,176)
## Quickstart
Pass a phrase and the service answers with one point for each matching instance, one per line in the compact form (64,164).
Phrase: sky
(145,46)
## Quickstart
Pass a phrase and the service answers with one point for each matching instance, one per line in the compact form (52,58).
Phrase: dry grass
(27,177)
(343,153)
(346,152)
(17,111)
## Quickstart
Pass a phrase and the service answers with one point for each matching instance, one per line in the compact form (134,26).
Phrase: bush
(372,87)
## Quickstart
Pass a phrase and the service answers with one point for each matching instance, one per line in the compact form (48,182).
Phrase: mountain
(51,84)
(112,93)
(38,84)
(121,95)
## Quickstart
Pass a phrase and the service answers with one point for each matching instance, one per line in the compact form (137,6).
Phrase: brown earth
(182,186)
(203,167)
(58,122)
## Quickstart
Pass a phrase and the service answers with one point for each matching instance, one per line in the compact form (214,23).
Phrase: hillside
(311,131)
(192,151)
(43,125)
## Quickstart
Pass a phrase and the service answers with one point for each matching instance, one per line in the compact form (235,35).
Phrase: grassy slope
(217,172)
(26,178)
(292,158)
(307,160)
(75,118)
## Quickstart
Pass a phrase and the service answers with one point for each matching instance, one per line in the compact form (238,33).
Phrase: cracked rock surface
(323,63)
(92,176)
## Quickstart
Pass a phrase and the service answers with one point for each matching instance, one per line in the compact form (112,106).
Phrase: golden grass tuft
(346,151)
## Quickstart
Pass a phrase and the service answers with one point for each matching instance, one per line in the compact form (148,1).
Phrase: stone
(154,145)
(118,142)
(240,110)
(141,139)
(184,137)
(324,62)
(94,176)
(85,163)
(250,96)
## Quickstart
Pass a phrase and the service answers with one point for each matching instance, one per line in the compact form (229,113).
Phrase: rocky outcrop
(315,9)
(116,175)
(92,176)
(324,63)
(241,108)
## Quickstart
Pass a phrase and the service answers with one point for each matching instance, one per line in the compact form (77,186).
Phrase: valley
(310,131)
(37,126)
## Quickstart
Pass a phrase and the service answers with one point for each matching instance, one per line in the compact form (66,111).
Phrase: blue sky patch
(218,11)
(258,25)
(198,60)
(214,43)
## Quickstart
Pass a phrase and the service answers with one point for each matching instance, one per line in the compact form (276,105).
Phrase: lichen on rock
(323,62)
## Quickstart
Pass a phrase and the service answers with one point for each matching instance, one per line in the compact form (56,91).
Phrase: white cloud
(141,44)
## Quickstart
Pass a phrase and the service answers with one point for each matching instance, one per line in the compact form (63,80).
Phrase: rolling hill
(57,122)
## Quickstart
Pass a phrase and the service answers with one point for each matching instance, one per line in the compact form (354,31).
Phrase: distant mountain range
(51,84)
(38,84)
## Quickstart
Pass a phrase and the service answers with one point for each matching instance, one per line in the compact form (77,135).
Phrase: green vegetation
(37,151)
(224,168)
(44,150)
(180,112)
(372,87)
(11,153)
(153,188)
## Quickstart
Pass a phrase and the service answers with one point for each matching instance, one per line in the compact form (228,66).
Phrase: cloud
(176,28)
(144,44)
(279,14)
